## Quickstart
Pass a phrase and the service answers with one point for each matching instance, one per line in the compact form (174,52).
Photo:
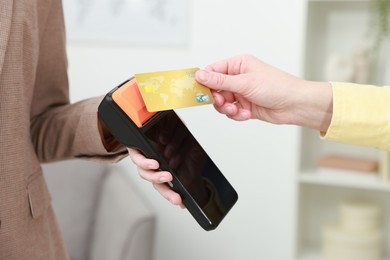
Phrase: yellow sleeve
(361,115)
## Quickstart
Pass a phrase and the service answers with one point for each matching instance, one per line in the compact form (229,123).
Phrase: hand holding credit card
(172,89)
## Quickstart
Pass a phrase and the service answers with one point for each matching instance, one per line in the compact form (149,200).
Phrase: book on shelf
(357,165)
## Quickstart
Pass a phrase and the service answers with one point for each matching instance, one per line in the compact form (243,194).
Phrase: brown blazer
(37,124)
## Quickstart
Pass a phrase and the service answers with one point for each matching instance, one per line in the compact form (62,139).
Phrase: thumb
(216,81)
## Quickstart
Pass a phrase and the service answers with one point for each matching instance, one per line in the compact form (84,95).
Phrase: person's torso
(25,27)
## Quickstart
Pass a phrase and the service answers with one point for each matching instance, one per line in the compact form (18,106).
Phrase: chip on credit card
(172,89)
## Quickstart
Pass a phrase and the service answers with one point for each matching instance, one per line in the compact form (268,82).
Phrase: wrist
(315,105)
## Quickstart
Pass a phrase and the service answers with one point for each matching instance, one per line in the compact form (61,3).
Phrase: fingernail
(216,99)
(151,166)
(163,179)
(202,75)
(171,201)
(229,109)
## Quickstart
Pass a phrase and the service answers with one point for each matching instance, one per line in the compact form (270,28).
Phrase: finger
(169,194)
(229,109)
(235,111)
(227,96)
(241,115)
(219,99)
(222,98)
(224,108)
(231,66)
(218,81)
(141,161)
(155,176)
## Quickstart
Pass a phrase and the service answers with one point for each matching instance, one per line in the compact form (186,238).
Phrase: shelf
(315,254)
(336,31)
(344,178)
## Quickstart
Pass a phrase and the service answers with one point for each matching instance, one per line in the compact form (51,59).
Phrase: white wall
(259,159)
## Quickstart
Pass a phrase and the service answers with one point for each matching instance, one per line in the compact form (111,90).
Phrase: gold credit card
(172,89)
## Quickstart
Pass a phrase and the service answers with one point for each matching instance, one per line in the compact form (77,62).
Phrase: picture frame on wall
(150,22)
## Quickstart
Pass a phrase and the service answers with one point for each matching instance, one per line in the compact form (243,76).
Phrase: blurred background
(286,197)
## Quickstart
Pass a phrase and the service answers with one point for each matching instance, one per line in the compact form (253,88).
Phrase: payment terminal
(162,136)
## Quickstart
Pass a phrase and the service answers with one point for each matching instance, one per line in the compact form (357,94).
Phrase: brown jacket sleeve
(71,131)
(60,130)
